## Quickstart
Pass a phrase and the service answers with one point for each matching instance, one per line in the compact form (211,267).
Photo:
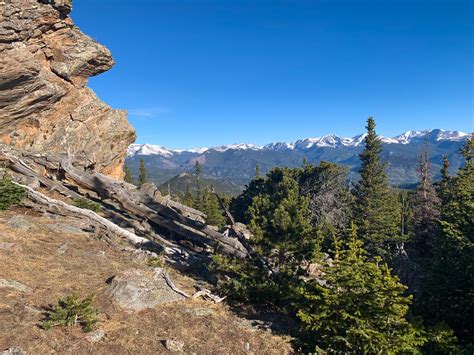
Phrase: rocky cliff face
(45,62)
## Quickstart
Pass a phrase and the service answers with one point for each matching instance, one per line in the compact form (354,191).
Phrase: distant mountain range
(235,164)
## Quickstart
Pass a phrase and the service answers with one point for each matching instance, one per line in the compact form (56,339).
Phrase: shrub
(87,204)
(69,311)
(156,262)
(10,194)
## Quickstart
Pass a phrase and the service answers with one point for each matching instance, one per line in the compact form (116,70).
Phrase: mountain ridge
(329,141)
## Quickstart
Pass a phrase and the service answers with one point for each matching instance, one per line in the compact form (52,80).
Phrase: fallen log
(92,216)
(144,206)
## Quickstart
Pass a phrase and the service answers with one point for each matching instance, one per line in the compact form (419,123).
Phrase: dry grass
(35,262)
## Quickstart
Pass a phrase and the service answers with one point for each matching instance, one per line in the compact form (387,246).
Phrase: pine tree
(198,201)
(280,219)
(426,210)
(257,171)
(188,198)
(212,209)
(377,210)
(449,284)
(142,174)
(128,175)
(10,194)
(359,308)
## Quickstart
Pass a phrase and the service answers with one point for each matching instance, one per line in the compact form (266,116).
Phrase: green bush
(156,262)
(70,311)
(86,204)
(10,194)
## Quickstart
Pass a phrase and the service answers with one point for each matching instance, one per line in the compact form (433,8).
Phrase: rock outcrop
(45,106)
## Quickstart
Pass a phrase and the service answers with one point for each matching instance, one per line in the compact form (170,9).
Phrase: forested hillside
(361,269)
(234,165)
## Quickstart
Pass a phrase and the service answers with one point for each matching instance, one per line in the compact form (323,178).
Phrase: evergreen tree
(377,210)
(280,219)
(448,289)
(442,186)
(240,205)
(257,171)
(10,194)
(359,307)
(142,173)
(198,200)
(188,198)
(128,175)
(426,210)
(212,209)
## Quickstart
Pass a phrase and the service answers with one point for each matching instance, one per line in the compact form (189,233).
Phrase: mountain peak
(327,141)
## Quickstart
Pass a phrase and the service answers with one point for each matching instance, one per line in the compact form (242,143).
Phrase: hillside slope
(36,269)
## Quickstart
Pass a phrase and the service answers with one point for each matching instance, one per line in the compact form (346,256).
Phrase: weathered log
(146,207)
(101,221)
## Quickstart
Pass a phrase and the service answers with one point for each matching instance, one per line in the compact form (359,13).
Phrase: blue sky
(205,73)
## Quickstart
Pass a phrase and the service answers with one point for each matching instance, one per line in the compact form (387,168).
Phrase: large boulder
(136,290)
(45,62)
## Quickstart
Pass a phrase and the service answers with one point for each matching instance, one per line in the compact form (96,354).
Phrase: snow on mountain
(148,149)
(330,140)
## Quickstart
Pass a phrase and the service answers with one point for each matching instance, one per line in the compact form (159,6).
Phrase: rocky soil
(43,258)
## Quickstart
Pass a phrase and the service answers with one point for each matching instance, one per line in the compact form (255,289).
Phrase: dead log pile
(139,216)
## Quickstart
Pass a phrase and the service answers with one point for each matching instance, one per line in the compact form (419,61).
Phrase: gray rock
(10,246)
(136,290)
(96,336)
(174,345)
(67,228)
(96,253)
(15,285)
(63,248)
(13,351)
(19,222)
(200,311)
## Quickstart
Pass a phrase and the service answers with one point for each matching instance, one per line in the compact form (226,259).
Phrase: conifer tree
(212,209)
(449,284)
(198,201)
(10,194)
(281,221)
(359,308)
(257,171)
(426,209)
(376,210)
(142,173)
(128,175)
(188,198)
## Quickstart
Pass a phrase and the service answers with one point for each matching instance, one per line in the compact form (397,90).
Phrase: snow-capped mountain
(327,141)
(235,163)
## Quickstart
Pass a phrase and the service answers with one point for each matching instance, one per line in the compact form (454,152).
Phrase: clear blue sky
(205,73)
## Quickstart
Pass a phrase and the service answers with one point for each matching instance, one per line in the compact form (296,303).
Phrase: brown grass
(35,262)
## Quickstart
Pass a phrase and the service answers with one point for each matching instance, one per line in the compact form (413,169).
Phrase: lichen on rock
(45,105)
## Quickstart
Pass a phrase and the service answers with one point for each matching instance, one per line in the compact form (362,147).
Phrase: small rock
(174,345)
(97,253)
(247,346)
(67,228)
(18,222)
(63,248)
(96,336)
(9,246)
(15,285)
(13,351)
(200,311)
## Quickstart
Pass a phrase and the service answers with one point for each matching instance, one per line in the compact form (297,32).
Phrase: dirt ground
(29,255)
